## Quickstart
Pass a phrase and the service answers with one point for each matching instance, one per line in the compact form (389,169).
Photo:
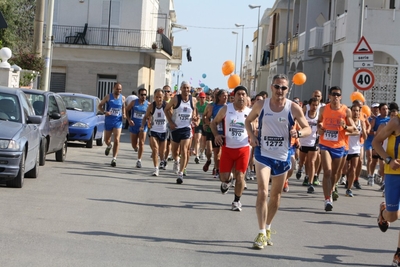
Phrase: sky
(209,36)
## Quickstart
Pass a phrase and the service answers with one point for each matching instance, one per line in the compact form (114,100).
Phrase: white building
(321,39)
(100,42)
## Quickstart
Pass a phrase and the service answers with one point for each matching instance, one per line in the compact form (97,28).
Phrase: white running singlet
(235,131)
(183,113)
(274,128)
(159,121)
(354,141)
(310,140)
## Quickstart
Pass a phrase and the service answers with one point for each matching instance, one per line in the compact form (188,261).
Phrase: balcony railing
(316,34)
(302,42)
(294,45)
(327,38)
(341,24)
(114,37)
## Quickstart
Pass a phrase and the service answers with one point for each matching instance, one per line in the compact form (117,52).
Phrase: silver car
(19,138)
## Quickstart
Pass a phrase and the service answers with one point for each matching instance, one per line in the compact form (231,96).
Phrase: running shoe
(197,160)
(298,174)
(136,149)
(260,242)
(316,180)
(162,165)
(342,180)
(180,178)
(357,184)
(107,152)
(165,164)
(175,169)
(349,193)
(216,176)
(139,164)
(156,172)
(305,182)
(269,241)
(225,187)
(396,259)
(114,163)
(170,158)
(310,189)
(378,178)
(213,171)
(202,156)
(328,205)
(207,165)
(370,180)
(382,223)
(184,172)
(236,206)
(335,195)
(286,186)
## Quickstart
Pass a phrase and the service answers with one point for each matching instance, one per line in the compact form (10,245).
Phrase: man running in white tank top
(235,143)
(276,119)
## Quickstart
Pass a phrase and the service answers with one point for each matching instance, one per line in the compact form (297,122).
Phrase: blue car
(19,138)
(86,122)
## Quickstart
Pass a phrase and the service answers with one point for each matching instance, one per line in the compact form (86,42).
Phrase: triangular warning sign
(363,47)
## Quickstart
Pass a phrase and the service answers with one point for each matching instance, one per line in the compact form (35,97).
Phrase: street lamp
(258,38)
(178,73)
(241,54)
(237,34)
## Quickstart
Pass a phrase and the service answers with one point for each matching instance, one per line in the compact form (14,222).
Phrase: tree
(20,15)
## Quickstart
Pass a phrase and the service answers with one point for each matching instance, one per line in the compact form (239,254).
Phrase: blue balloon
(205,89)
(202,85)
(204,75)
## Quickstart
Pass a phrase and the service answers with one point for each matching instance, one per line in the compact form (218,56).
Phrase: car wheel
(42,156)
(18,181)
(34,173)
(61,154)
(89,143)
(100,141)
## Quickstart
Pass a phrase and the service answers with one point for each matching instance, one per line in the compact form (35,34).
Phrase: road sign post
(363,56)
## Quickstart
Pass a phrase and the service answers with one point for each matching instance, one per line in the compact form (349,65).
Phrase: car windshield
(78,103)
(37,102)
(9,108)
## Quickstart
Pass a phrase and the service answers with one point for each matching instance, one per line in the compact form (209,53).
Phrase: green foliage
(26,78)
(20,17)
(28,61)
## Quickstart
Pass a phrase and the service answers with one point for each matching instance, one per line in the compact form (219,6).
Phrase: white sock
(139,160)
(114,158)
(155,167)
(262,231)
(268,227)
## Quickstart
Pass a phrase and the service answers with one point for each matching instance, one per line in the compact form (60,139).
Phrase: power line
(215,28)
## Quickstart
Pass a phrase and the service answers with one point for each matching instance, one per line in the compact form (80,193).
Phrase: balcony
(302,42)
(315,45)
(341,24)
(151,42)
(294,45)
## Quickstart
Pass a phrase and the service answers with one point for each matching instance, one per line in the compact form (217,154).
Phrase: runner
(199,138)
(138,133)
(276,120)
(114,105)
(158,132)
(180,112)
(389,210)
(334,120)
(368,143)
(167,98)
(309,149)
(355,145)
(234,142)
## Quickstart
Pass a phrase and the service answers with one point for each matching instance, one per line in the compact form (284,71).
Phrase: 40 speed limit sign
(363,79)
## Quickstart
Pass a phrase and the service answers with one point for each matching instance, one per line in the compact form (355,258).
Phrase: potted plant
(154,45)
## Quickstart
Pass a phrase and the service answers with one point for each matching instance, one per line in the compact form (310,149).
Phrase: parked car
(19,138)
(54,126)
(86,122)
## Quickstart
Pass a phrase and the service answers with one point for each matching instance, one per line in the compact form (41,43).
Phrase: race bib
(138,114)
(115,111)
(272,142)
(331,135)
(236,133)
(219,127)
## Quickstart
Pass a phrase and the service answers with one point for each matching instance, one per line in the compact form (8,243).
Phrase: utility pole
(38,28)
(48,46)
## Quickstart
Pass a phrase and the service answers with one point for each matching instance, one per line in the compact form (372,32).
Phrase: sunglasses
(277,87)
(336,94)
(167,92)
(143,95)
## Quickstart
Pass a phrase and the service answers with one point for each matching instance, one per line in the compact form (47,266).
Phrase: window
(53,108)
(105,85)
(113,18)
(57,82)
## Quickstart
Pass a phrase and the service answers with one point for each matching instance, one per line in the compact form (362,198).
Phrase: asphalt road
(83,212)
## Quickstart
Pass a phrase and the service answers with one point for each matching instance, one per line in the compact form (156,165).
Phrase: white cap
(375,105)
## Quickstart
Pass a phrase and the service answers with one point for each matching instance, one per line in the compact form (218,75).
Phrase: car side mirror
(55,116)
(35,119)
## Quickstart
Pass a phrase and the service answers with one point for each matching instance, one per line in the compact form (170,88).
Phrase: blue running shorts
(181,134)
(135,129)
(334,152)
(392,191)
(277,167)
(161,137)
(109,125)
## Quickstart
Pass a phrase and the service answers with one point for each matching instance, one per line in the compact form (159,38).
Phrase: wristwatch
(388,160)
(298,134)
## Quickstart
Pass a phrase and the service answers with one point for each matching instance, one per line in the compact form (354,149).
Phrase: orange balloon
(299,78)
(366,110)
(228,67)
(357,96)
(233,81)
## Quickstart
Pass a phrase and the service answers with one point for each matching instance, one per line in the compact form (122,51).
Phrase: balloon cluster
(357,96)
(227,68)
(203,85)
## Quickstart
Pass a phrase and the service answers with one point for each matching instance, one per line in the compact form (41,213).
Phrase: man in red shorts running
(235,144)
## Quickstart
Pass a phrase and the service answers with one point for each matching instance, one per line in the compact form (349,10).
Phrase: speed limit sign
(363,79)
